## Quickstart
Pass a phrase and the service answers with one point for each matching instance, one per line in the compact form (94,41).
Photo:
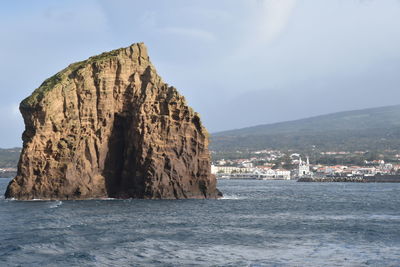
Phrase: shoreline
(357,179)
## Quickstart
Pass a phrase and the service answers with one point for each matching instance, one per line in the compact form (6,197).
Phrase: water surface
(257,223)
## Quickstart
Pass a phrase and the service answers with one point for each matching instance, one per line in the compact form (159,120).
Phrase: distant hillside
(368,129)
(9,157)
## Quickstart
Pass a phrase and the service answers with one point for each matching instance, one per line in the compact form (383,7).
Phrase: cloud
(273,16)
(266,21)
(191,33)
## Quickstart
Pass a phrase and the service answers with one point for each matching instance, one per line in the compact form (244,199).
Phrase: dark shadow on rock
(114,163)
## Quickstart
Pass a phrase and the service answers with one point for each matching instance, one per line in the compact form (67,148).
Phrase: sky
(239,63)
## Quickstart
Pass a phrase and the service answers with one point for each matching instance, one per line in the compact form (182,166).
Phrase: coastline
(355,179)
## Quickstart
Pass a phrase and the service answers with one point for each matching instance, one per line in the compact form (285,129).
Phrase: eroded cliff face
(110,127)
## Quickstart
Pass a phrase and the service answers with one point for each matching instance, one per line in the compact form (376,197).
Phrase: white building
(247,164)
(249,173)
(278,174)
(283,174)
(304,168)
(228,169)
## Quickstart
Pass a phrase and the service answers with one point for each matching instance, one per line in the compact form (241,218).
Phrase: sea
(256,223)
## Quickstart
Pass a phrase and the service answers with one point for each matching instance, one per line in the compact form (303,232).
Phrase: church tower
(304,167)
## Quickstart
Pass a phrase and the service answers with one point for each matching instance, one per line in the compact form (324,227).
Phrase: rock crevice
(110,127)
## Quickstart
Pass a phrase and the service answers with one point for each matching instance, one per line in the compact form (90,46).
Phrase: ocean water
(257,223)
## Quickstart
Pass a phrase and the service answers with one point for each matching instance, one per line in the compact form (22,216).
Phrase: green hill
(368,129)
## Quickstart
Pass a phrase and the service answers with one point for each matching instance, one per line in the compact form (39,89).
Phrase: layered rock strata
(110,127)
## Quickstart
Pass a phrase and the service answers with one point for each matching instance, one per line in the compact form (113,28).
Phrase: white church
(304,168)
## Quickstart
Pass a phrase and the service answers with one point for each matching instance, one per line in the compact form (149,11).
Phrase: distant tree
(259,162)
(371,155)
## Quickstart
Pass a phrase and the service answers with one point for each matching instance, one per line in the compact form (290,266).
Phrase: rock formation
(110,127)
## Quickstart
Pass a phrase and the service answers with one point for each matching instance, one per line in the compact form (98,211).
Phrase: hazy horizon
(238,63)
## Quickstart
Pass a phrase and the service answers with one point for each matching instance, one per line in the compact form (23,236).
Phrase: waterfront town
(276,165)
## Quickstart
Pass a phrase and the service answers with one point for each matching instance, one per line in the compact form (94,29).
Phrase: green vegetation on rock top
(51,82)
(40,92)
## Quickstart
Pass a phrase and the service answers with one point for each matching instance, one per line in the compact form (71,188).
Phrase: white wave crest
(56,204)
(231,197)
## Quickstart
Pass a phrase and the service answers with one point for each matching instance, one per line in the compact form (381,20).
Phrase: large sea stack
(110,127)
